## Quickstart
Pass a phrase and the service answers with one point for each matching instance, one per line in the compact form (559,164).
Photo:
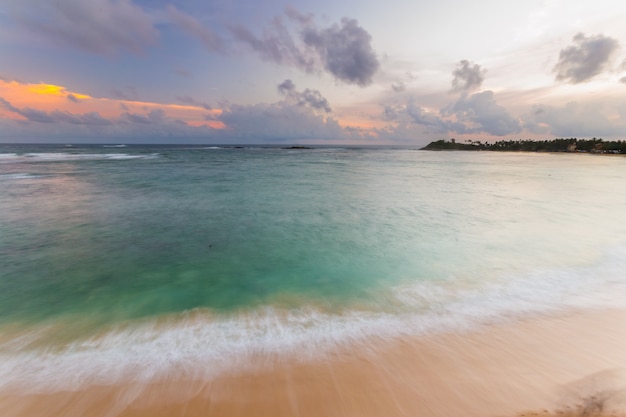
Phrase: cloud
(183,72)
(622,80)
(46,103)
(277,45)
(300,115)
(470,114)
(211,40)
(193,102)
(56,116)
(286,87)
(280,122)
(97,26)
(432,120)
(398,86)
(28,113)
(467,76)
(7,105)
(128,93)
(480,113)
(587,58)
(344,50)
(294,14)
(576,119)
(155,116)
(308,97)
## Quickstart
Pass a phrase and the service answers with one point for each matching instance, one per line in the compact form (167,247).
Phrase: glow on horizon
(49,98)
(55,90)
(366,71)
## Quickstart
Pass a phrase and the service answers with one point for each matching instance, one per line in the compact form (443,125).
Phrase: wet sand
(545,365)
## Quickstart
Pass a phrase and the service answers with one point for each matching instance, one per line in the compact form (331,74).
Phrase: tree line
(594,145)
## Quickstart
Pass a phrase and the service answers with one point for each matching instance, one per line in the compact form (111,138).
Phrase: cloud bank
(300,115)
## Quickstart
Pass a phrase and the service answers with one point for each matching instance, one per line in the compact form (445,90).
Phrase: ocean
(139,262)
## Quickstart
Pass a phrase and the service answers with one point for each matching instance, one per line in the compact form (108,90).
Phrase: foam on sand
(572,360)
(203,345)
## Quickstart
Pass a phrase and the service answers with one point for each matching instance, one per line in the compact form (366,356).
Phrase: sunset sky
(353,72)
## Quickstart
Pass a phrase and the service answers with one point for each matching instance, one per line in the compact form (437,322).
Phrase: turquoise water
(115,258)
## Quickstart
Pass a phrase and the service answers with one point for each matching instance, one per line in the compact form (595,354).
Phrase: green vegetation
(555,145)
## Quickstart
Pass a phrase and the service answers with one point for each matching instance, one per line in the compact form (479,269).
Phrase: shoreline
(535,364)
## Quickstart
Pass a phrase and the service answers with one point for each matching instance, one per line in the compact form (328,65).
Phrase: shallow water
(118,259)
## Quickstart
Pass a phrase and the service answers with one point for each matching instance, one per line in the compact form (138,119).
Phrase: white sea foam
(64,156)
(203,345)
(8,157)
(18,176)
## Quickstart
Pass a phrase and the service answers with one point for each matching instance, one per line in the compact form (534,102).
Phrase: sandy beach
(544,365)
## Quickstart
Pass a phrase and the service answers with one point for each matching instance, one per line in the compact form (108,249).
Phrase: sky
(325,72)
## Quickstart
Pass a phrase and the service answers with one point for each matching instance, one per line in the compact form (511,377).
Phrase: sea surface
(138,262)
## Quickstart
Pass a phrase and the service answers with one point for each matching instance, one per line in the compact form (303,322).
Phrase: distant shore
(566,365)
(571,145)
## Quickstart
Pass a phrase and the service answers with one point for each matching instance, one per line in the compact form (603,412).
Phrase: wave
(8,156)
(19,176)
(201,344)
(64,156)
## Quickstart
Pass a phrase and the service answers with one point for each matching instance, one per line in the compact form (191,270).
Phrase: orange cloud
(55,90)
(49,98)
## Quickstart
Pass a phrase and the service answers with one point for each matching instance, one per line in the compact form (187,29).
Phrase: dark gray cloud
(211,40)
(467,76)
(585,59)
(7,105)
(155,117)
(308,97)
(480,113)
(72,97)
(97,26)
(31,115)
(193,102)
(286,87)
(345,50)
(92,118)
(276,44)
(314,99)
